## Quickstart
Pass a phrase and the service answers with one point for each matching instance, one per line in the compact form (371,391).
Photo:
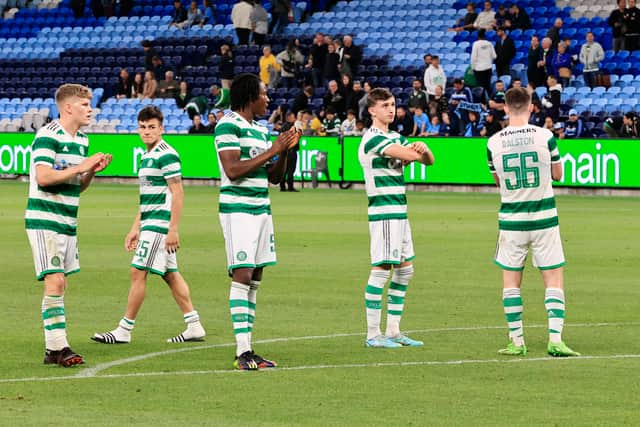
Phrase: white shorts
(391,241)
(53,252)
(151,254)
(248,240)
(513,247)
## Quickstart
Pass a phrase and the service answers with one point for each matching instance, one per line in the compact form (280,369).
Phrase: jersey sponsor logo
(241,256)
(55,261)
(394,163)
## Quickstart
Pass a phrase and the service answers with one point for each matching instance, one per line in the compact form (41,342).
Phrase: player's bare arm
(47,176)
(177,202)
(131,240)
(422,148)
(400,152)
(87,177)
(556,171)
(276,170)
(496,179)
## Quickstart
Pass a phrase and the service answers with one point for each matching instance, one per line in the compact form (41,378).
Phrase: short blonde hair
(70,90)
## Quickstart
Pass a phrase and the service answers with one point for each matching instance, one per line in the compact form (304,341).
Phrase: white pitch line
(93,371)
(338,366)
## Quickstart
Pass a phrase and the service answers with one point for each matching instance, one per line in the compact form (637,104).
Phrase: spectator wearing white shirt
(241,18)
(486,19)
(348,127)
(482,56)
(434,76)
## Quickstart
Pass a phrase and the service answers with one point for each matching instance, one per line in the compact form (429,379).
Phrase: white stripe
(526,216)
(396,292)
(554,306)
(255,201)
(514,309)
(395,307)
(373,297)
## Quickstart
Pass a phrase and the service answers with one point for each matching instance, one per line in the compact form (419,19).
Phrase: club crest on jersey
(255,152)
(394,163)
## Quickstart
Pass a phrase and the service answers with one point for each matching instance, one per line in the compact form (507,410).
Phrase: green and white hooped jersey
(521,157)
(249,194)
(55,207)
(383,176)
(156,167)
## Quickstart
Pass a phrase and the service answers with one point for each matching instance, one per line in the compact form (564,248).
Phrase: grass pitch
(310,317)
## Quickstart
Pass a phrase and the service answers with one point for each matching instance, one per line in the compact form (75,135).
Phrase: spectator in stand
(303,122)
(546,55)
(536,118)
(179,14)
(346,89)
(168,88)
(474,127)
(352,100)
(554,33)
(158,66)
(434,76)
(558,130)
(438,103)
(417,97)
(301,101)
(445,126)
(466,23)
(403,123)
(351,56)
(482,57)
(137,87)
(124,85)
(269,68)
(219,98)
(259,23)
(348,127)
(591,54)
(427,58)
(241,19)
(210,15)
(519,18)
(197,105)
(290,61)
(331,122)
(219,114)
(491,124)
(360,128)
(211,123)
(486,19)
(331,70)
(149,53)
(433,127)
(150,86)
(334,99)
(278,117)
(502,17)
(632,23)
(572,50)
(561,65)
(551,101)
(573,127)
(617,24)
(630,126)
(183,96)
(280,10)
(77,6)
(420,122)
(505,52)
(317,59)
(535,73)
(316,123)
(197,127)
(363,110)
(496,102)
(548,123)
(227,64)
(460,93)
(292,157)
(194,16)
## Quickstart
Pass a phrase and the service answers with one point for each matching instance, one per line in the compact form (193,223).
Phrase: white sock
(373,301)
(123,331)
(194,328)
(395,298)
(253,293)
(55,324)
(554,304)
(239,306)
(512,304)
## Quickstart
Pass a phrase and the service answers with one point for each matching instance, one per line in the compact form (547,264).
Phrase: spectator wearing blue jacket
(474,127)
(561,64)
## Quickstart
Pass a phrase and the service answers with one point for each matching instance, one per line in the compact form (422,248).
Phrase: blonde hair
(70,90)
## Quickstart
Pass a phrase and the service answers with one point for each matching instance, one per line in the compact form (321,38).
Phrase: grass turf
(316,291)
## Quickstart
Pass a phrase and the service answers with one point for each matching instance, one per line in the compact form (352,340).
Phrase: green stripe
(380,163)
(388,199)
(238,303)
(504,267)
(129,322)
(394,299)
(244,208)
(155,181)
(529,207)
(555,158)
(44,159)
(52,312)
(44,143)
(245,152)
(514,317)
(398,286)
(388,181)
(241,330)
(239,317)
(553,300)
(167,160)
(512,302)
(381,217)
(555,313)
(52,207)
(385,261)
(252,305)
(553,331)
(153,199)
(156,214)
(256,192)
(395,312)
(72,148)
(552,143)
(43,224)
(374,142)
(61,325)
(227,129)
(62,189)
(373,305)
(539,224)
(551,267)
(228,144)
(373,290)
(161,230)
